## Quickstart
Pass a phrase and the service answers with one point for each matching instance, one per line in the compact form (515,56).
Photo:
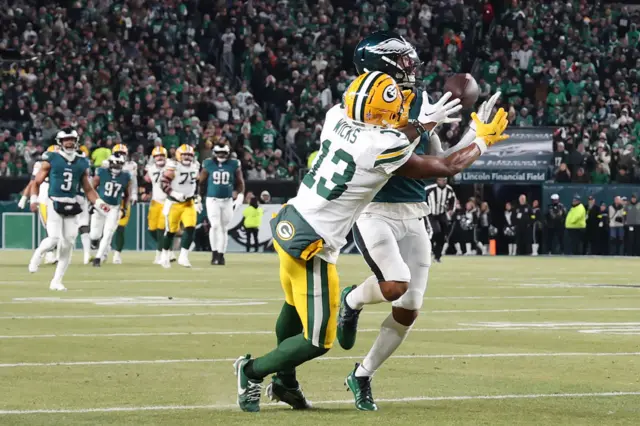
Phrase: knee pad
(84,229)
(411,300)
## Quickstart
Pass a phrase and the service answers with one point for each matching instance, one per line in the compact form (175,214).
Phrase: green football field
(501,341)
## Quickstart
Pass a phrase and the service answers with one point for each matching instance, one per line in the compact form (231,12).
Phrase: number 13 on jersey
(339,169)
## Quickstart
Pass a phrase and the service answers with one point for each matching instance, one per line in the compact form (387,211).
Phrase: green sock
(288,325)
(160,239)
(154,235)
(119,239)
(287,356)
(187,237)
(168,241)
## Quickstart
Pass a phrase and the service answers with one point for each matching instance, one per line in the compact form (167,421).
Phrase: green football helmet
(390,53)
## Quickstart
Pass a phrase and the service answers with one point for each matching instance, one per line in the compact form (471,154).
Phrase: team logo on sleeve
(285,230)
(390,93)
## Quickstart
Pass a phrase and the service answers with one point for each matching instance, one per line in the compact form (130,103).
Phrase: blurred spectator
(554,223)
(632,227)
(616,227)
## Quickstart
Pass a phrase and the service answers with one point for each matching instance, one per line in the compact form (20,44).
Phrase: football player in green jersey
(391,232)
(67,172)
(222,176)
(113,185)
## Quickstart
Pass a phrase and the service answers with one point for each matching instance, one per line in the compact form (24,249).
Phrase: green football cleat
(347,321)
(277,391)
(361,388)
(248,390)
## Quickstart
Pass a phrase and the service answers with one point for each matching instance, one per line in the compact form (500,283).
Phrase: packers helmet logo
(285,230)
(390,93)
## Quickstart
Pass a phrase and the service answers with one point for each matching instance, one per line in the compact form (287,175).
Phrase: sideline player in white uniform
(359,153)
(112,185)
(391,233)
(132,168)
(51,255)
(180,182)
(67,172)
(155,218)
(219,177)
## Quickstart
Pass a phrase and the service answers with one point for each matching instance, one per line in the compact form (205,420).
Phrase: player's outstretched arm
(425,166)
(35,184)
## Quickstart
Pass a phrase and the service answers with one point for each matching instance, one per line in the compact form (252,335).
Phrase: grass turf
(501,341)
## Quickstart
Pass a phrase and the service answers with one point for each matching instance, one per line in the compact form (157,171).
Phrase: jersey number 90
(220,177)
(339,179)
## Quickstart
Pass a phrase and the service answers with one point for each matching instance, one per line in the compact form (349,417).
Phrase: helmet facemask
(160,160)
(221,153)
(186,158)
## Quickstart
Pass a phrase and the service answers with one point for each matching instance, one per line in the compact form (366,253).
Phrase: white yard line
(274,313)
(316,403)
(327,358)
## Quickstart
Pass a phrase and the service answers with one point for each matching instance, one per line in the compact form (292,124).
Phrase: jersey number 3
(339,179)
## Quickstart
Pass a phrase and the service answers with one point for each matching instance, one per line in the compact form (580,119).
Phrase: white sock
(392,334)
(367,293)
(224,237)
(212,238)
(86,244)
(105,242)
(485,249)
(512,249)
(534,249)
(468,247)
(65,249)
(184,253)
(445,246)
(192,247)
(458,248)
(158,254)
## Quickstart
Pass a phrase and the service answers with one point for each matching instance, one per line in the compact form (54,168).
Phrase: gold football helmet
(159,154)
(120,148)
(185,154)
(374,98)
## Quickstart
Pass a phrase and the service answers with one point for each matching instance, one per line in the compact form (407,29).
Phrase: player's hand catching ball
(485,110)
(492,132)
(440,112)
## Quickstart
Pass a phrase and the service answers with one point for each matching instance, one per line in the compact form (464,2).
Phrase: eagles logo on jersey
(374,98)
(390,53)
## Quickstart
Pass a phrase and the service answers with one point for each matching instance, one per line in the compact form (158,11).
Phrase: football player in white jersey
(132,168)
(391,232)
(180,183)
(362,147)
(51,255)
(155,218)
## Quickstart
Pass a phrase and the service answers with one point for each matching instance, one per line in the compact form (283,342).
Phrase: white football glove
(178,196)
(133,199)
(238,201)
(485,110)
(22,203)
(198,204)
(441,111)
(101,206)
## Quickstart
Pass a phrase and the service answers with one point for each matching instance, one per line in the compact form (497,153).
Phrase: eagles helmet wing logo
(392,45)
(390,93)
(285,230)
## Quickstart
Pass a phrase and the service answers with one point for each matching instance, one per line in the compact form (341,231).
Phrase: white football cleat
(57,286)
(117,260)
(158,259)
(50,257)
(172,256)
(165,262)
(34,263)
(184,261)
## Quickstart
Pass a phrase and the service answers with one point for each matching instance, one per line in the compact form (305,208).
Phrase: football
(463,87)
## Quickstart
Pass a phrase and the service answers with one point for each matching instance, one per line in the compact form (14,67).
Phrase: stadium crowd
(259,75)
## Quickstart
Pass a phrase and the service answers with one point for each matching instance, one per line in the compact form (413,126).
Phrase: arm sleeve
(391,149)
(466,140)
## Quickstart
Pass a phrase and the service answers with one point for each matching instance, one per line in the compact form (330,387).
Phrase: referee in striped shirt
(441,201)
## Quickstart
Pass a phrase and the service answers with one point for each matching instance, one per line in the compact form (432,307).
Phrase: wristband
(481,144)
